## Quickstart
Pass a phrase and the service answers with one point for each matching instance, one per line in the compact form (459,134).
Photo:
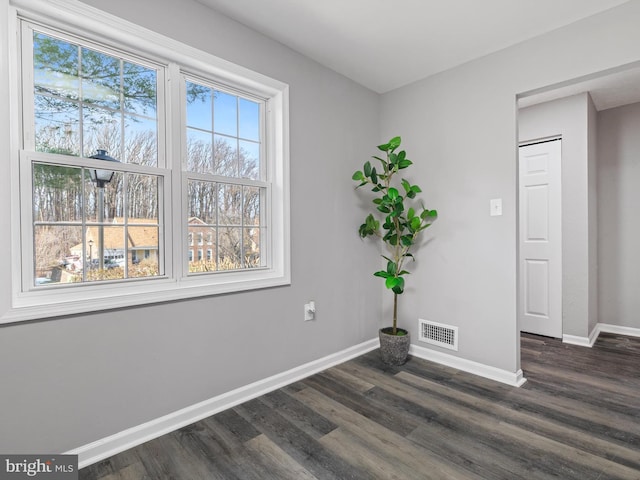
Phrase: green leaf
(393,193)
(392,282)
(381,274)
(374,175)
(415,223)
(406,240)
(404,163)
(416,189)
(406,185)
(392,268)
(357,176)
(384,209)
(428,214)
(384,147)
(397,285)
(377,201)
(394,143)
(393,159)
(411,214)
(367,169)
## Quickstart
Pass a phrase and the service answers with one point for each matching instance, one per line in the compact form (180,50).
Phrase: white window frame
(75,18)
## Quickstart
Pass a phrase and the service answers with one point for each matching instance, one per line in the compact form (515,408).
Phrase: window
(224,147)
(85,101)
(201,158)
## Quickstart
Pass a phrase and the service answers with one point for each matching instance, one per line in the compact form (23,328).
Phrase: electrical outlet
(310,311)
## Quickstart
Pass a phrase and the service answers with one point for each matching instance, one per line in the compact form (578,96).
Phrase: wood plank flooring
(577,417)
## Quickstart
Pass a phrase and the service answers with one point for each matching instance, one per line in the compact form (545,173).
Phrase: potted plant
(399,230)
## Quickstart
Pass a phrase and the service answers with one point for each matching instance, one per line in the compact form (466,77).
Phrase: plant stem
(395,313)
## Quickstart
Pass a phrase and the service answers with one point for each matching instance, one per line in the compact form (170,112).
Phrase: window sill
(55,302)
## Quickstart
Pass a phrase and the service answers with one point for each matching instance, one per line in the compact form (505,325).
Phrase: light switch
(495,206)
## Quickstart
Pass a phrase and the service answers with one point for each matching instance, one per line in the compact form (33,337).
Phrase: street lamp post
(90,252)
(101,178)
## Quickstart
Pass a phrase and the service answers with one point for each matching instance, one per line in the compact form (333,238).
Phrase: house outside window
(84,88)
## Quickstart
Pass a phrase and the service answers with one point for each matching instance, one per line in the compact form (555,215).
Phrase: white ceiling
(385,44)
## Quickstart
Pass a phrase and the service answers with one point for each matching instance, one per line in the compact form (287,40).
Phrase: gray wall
(569,117)
(70,381)
(619,229)
(460,127)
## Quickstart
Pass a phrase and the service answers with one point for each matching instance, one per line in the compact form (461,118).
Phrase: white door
(540,228)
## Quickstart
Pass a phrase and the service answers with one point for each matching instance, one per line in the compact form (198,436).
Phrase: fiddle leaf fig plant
(402,216)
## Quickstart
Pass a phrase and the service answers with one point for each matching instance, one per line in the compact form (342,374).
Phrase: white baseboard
(121,441)
(515,379)
(600,328)
(608,328)
(582,341)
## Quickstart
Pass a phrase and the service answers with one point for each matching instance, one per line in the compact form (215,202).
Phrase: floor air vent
(445,336)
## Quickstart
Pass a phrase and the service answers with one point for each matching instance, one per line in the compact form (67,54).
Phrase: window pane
(202,203)
(225,156)
(199,106)
(58,254)
(55,64)
(249,156)
(251,247)
(229,204)
(101,130)
(142,198)
(225,113)
(107,242)
(251,206)
(249,122)
(124,232)
(111,197)
(202,256)
(141,146)
(229,248)
(57,193)
(142,251)
(100,79)
(115,101)
(57,126)
(199,151)
(139,86)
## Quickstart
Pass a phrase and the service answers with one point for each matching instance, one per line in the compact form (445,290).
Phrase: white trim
(582,341)
(515,379)
(595,333)
(131,437)
(617,329)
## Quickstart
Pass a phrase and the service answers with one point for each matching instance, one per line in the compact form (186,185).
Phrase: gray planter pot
(393,348)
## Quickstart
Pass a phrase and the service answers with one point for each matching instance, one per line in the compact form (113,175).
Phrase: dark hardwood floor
(577,417)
